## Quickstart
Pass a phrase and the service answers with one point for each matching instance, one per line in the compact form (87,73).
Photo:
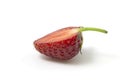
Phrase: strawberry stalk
(92,29)
(81,29)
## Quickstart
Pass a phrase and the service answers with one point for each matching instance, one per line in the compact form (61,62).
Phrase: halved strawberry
(64,43)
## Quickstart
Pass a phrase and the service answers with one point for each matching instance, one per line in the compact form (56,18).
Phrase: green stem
(92,29)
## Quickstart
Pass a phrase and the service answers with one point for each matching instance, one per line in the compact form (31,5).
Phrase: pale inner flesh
(59,35)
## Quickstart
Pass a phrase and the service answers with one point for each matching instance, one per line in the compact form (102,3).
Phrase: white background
(23,21)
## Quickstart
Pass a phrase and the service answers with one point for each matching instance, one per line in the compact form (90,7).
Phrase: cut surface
(59,35)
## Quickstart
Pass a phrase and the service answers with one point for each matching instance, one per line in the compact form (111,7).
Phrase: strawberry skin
(62,44)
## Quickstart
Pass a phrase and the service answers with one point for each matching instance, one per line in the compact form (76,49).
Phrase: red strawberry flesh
(61,44)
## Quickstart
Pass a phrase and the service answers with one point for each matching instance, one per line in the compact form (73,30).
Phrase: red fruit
(62,44)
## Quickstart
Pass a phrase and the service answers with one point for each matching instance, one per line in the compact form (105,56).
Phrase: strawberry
(64,43)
